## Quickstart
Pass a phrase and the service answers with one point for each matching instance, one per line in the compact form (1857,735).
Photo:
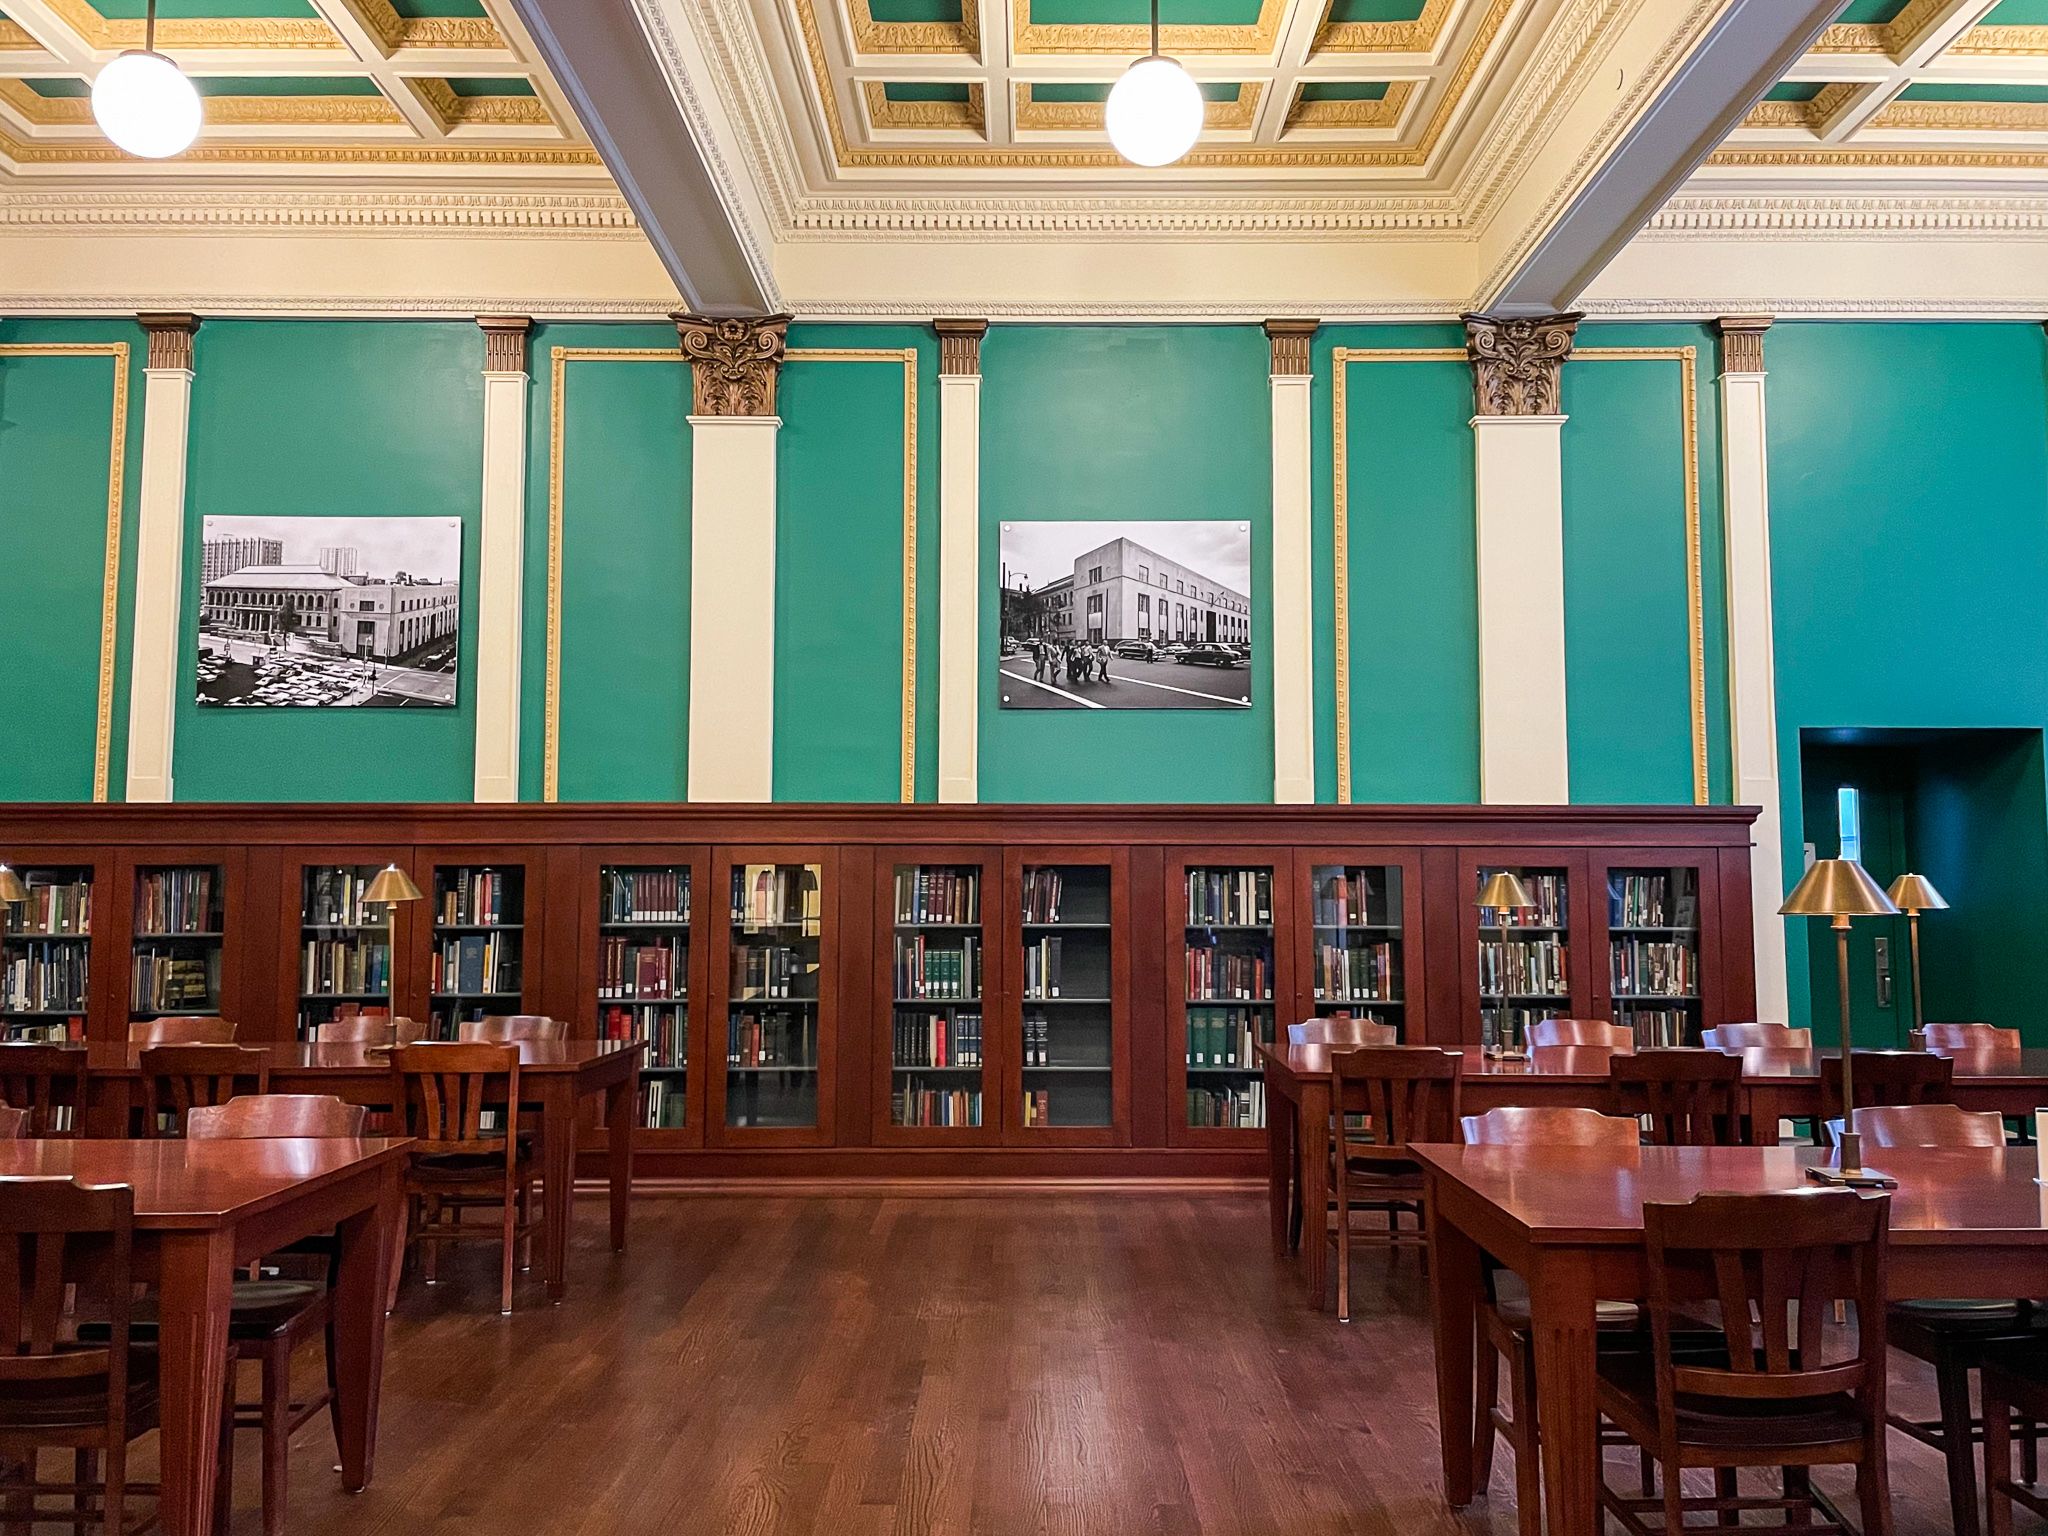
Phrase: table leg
(196,1276)
(1456,1288)
(1279,1157)
(621,1102)
(1764,1117)
(1562,1328)
(557,1180)
(1314,1139)
(367,1241)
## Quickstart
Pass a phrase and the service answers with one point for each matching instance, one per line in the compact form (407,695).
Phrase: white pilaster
(960,559)
(501,558)
(1752,682)
(1523,757)
(159,556)
(732,607)
(1293,641)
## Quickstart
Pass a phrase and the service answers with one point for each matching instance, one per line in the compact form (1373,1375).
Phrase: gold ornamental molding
(170,339)
(498,156)
(960,347)
(278,33)
(235,111)
(969,115)
(505,342)
(733,362)
(1964,116)
(1886,157)
(1516,362)
(1234,115)
(1418,35)
(871,36)
(1383,113)
(1742,342)
(1260,37)
(1289,342)
(2002,42)
(15,38)
(110,568)
(453,111)
(1810,115)
(1891,38)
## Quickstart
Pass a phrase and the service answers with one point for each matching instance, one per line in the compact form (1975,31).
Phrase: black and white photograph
(330,612)
(1125,615)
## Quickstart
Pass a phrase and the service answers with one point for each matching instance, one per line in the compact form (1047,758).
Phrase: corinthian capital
(1516,362)
(733,362)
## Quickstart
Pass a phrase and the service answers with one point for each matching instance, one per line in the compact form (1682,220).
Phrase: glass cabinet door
(1228,989)
(345,950)
(938,979)
(1356,920)
(479,943)
(1067,1043)
(772,1026)
(1524,957)
(180,928)
(643,979)
(1653,952)
(46,955)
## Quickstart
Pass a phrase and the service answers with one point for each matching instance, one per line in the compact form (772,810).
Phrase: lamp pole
(1851,1144)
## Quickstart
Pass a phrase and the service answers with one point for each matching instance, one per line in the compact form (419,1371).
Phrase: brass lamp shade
(392,884)
(1504,892)
(11,886)
(1837,888)
(1916,893)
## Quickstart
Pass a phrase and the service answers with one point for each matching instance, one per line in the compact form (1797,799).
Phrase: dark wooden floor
(1099,1364)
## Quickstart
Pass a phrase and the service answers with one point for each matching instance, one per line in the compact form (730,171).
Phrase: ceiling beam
(1545,251)
(602,60)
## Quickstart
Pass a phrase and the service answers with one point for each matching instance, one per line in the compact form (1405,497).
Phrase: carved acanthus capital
(504,342)
(1289,340)
(170,339)
(1516,362)
(733,362)
(960,346)
(1742,342)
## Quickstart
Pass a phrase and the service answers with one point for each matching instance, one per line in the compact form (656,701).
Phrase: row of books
(942,972)
(1219,975)
(162,981)
(1522,968)
(657,969)
(1658,1026)
(771,1038)
(1038,1045)
(1550,909)
(1230,898)
(477,898)
(643,896)
(914,1104)
(52,909)
(1042,890)
(335,898)
(1655,967)
(476,965)
(1038,1106)
(937,894)
(1361,973)
(178,901)
(665,1029)
(1042,967)
(1224,1037)
(1241,1106)
(776,895)
(344,965)
(1507,1029)
(41,977)
(1351,898)
(933,1040)
(69,1031)
(1648,901)
(664,1105)
(772,970)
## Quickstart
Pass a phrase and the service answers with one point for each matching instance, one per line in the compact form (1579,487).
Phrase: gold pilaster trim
(110,568)
(1742,342)
(733,361)
(170,339)
(959,346)
(1516,362)
(1289,342)
(505,342)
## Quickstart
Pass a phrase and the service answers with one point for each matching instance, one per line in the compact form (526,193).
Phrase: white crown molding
(1205,218)
(1333,310)
(574,215)
(1807,216)
(1807,308)
(367,306)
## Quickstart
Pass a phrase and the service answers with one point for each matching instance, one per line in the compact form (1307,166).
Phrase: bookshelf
(477,943)
(177,940)
(939,983)
(644,978)
(46,955)
(1654,975)
(1068,988)
(773,1089)
(1225,972)
(347,958)
(1526,965)
(1358,922)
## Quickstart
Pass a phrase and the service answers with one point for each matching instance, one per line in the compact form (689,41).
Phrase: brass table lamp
(1503,893)
(391,884)
(1912,895)
(12,889)
(1841,889)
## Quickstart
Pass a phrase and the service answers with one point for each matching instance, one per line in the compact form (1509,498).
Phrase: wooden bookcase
(178,909)
(60,949)
(1360,933)
(476,936)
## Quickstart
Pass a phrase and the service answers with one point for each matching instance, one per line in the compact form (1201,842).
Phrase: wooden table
(1569,1220)
(554,1077)
(1776,1085)
(203,1209)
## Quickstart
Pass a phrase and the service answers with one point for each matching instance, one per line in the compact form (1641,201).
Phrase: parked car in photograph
(1137,650)
(1210,656)
(1168,650)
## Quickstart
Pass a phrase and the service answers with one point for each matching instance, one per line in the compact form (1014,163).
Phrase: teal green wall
(56,443)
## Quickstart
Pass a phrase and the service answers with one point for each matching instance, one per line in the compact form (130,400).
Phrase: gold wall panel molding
(733,362)
(1516,362)
(110,567)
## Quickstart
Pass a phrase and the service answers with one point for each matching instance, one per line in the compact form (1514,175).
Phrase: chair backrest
(1342,1031)
(13,1123)
(182,1029)
(254,1116)
(358,1029)
(1967,1037)
(1888,1077)
(48,1081)
(1925,1125)
(1615,1037)
(1756,1037)
(58,1234)
(442,1090)
(177,1079)
(1410,1092)
(1774,1263)
(1551,1125)
(512,1026)
(1688,1098)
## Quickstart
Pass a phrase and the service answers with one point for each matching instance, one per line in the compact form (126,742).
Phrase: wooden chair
(1756,1037)
(442,1090)
(497,1028)
(1771,1398)
(1614,1037)
(1504,1324)
(179,1078)
(49,1082)
(255,1116)
(1342,1031)
(1964,1037)
(13,1124)
(2014,1384)
(358,1029)
(1411,1095)
(185,1029)
(1926,1125)
(1888,1077)
(1685,1098)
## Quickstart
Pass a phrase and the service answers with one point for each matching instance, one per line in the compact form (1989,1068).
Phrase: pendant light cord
(1155,24)
(149,26)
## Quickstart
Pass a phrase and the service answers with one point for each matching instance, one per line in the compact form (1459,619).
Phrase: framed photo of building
(330,612)
(1125,615)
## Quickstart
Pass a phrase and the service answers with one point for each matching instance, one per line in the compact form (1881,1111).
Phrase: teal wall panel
(1128,423)
(334,419)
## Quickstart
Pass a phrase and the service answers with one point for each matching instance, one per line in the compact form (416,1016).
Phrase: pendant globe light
(1154,113)
(144,103)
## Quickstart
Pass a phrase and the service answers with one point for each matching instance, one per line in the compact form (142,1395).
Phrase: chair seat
(1511,1301)
(1993,1314)
(1628,1394)
(467,1167)
(260,1309)
(80,1402)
